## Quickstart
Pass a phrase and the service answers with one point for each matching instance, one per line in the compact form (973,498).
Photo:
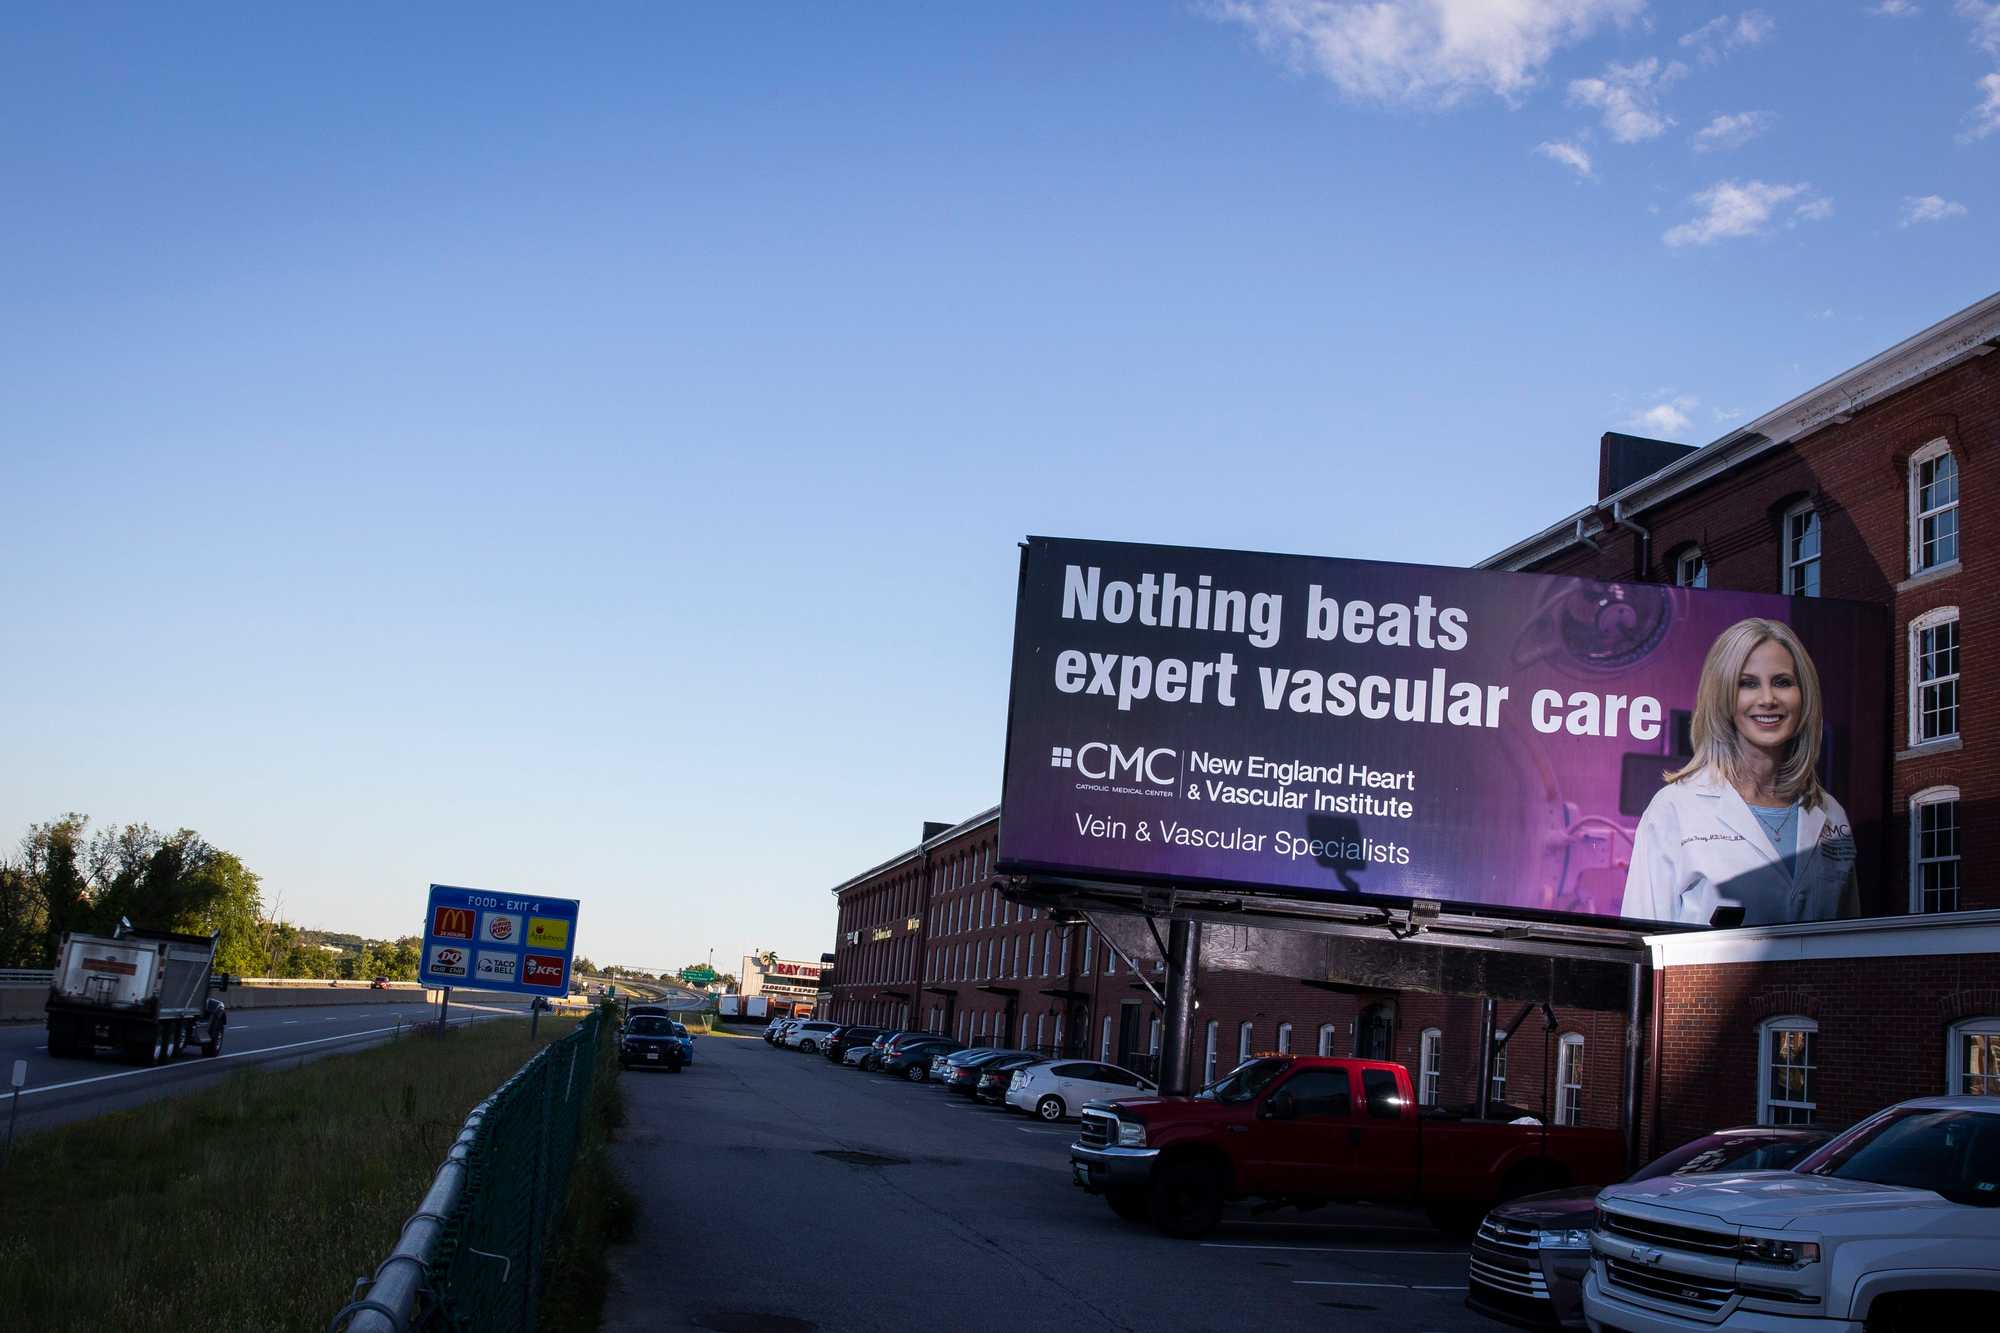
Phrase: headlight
(1576,1238)
(1772,1250)
(1131,1134)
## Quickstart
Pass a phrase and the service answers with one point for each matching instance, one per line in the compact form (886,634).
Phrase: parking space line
(1318,1249)
(1392,1286)
(1319,1281)
(1326,1226)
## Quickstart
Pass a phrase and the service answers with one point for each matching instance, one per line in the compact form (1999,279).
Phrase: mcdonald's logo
(452,923)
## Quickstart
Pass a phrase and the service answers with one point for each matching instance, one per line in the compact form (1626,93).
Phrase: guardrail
(36,978)
(473,1254)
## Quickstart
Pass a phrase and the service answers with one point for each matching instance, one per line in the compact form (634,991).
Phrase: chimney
(1624,459)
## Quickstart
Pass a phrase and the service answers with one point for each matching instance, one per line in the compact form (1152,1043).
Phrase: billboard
(497,941)
(1373,732)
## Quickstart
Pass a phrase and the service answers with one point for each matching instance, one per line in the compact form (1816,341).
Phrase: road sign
(699,975)
(497,941)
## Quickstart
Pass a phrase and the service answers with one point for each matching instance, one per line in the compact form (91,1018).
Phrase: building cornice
(991,816)
(1973,331)
(1933,933)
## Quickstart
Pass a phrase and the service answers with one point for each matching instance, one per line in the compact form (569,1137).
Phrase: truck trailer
(144,993)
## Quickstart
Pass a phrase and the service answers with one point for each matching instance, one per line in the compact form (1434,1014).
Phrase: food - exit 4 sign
(497,941)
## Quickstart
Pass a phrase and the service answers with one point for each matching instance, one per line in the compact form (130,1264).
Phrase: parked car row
(1890,1226)
(1050,1088)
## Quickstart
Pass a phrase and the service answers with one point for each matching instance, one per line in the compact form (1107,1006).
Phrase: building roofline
(992,814)
(1912,936)
(1970,332)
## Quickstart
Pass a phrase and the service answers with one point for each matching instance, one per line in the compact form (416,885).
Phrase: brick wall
(1883,1024)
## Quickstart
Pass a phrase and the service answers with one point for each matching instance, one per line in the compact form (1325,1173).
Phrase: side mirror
(1282,1106)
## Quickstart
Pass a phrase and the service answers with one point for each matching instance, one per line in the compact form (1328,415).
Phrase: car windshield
(648,1026)
(1243,1082)
(1954,1153)
(1732,1152)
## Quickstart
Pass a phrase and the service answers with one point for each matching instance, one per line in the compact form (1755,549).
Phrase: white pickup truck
(1890,1227)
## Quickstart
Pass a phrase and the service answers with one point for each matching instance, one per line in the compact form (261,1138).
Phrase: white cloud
(1985,16)
(1720,36)
(1896,9)
(1929,208)
(1569,154)
(1423,52)
(1745,208)
(1629,97)
(1985,117)
(1669,417)
(1731,131)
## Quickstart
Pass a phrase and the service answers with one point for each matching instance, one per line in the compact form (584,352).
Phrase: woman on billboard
(1746,823)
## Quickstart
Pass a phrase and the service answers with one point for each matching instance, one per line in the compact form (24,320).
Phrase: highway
(60,1091)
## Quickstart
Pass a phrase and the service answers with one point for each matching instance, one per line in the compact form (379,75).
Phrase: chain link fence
(472,1258)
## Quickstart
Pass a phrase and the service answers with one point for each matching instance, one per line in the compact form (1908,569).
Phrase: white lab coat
(1699,848)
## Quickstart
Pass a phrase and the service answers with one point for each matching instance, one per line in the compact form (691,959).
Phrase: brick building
(1871,486)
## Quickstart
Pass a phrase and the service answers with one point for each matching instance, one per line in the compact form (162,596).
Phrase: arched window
(1284,1038)
(1934,852)
(1243,1034)
(1691,568)
(1933,508)
(1569,1080)
(1801,550)
(1208,1055)
(1787,1069)
(1153,1039)
(1975,1058)
(1041,1032)
(1429,1050)
(1326,1039)
(1933,681)
(1104,1047)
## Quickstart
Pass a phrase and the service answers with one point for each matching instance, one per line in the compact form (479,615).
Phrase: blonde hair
(1717,743)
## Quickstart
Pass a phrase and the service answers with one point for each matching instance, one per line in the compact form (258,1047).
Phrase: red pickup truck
(1305,1131)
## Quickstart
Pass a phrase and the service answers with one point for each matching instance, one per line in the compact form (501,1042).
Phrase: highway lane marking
(226,1055)
(1319,1249)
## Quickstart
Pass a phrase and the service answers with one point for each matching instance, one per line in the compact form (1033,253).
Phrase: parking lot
(780,1193)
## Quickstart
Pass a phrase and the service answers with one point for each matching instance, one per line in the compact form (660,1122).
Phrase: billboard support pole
(1633,1001)
(1485,1099)
(1183,957)
(444,1007)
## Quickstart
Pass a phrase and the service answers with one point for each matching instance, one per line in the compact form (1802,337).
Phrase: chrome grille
(1648,1232)
(1099,1130)
(1676,1288)
(1505,1259)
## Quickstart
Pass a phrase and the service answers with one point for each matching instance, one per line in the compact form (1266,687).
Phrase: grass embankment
(256,1203)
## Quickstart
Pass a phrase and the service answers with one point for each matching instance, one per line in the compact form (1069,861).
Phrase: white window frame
(1024,1032)
(1569,1079)
(1089,948)
(1110,959)
(1246,1032)
(1956,1074)
(1153,1038)
(1931,620)
(1691,568)
(1787,565)
(1208,1054)
(1770,1108)
(1930,453)
(1041,1031)
(1930,796)
(1496,1088)
(1430,1049)
(1284,1038)
(1326,1039)
(1104,1044)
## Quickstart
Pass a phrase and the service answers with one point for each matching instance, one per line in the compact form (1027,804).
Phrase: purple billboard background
(1501,817)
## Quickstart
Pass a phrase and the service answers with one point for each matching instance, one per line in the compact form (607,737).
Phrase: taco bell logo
(1101,761)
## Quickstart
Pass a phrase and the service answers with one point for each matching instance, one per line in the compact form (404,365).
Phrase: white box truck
(142,992)
(725,1006)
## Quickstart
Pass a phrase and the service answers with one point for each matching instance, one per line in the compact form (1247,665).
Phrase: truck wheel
(1920,1311)
(212,1044)
(1129,1204)
(1186,1199)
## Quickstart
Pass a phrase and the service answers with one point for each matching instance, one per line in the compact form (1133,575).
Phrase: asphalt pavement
(780,1194)
(60,1091)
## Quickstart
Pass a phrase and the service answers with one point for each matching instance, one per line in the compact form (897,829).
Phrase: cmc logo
(1101,761)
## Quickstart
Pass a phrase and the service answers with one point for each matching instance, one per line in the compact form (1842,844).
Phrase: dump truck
(145,993)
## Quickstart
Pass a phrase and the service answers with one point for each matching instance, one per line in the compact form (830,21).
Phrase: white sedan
(1055,1089)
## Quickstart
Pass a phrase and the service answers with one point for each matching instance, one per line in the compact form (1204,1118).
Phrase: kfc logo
(540,969)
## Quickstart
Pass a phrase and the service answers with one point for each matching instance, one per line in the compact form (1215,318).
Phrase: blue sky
(586,454)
